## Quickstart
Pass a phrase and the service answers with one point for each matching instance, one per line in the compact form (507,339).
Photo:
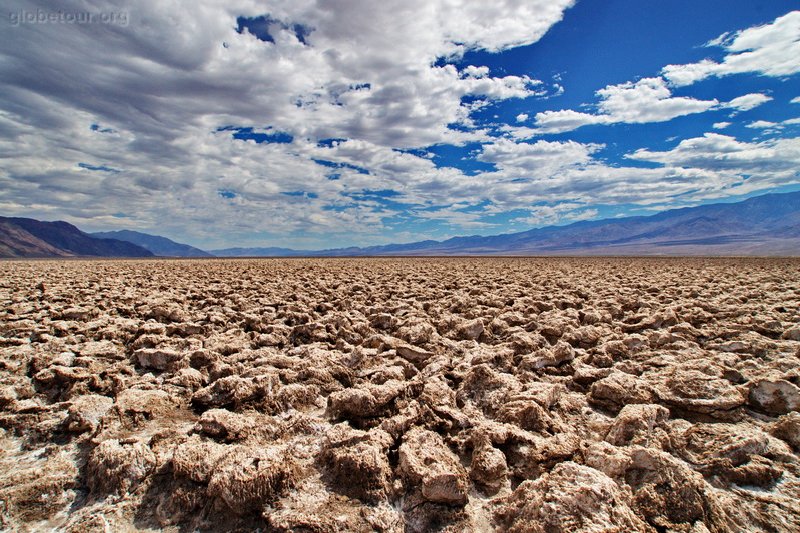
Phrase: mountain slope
(26,237)
(16,242)
(762,225)
(158,245)
(271,251)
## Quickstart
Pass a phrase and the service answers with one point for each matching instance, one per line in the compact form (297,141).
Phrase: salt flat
(459,394)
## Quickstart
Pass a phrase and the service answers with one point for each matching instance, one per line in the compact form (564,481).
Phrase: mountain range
(26,237)
(762,225)
(160,246)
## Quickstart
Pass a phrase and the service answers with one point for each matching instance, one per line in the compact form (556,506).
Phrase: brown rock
(413,354)
(666,491)
(236,391)
(197,459)
(135,406)
(531,457)
(620,389)
(792,334)
(356,462)
(249,478)
(526,414)
(570,499)
(223,424)
(367,401)
(488,467)
(635,424)
(775,396)
(114,467)
(103,349)
(697,391)
(787,428)
(85,412)
(554,356)
(189,378)
(427,462)
(487,389)
(470,330)
(157,358)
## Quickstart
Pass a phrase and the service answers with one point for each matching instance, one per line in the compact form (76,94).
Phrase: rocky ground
(541,395)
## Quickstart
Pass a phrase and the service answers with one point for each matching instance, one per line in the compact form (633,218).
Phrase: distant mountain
(258,252)
(26,237)
(762,225)
(158,245)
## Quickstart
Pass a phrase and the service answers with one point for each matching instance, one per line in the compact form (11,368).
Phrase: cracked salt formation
(400,395)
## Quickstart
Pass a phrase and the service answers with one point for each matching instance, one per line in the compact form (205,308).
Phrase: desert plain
(400,394)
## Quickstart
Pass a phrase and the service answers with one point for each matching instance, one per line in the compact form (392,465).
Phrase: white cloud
(648,100)
(539,159)
(456,215)
(168,79)
(159,88)
(545,215)
(471,71)
(771,127)
(555,172)
(567,120)
(775,160)
(795,100)
(768,50)
(763,124)
(721,125)
(748,101)
(522,117)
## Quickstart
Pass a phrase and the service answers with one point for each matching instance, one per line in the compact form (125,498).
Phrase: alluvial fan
(506,394)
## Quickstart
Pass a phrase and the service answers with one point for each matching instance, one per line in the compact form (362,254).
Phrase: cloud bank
(300,122)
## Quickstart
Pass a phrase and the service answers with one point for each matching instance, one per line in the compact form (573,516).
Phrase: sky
(326,123)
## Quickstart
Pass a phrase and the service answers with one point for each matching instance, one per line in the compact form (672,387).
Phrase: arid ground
(541,395)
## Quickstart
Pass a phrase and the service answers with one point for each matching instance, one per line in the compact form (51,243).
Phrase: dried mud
(539,395)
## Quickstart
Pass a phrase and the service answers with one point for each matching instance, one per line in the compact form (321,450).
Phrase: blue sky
(312,124)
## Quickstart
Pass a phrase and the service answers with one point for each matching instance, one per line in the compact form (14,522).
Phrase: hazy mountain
(258,252)
(763,225)
(155,243)
(26,237)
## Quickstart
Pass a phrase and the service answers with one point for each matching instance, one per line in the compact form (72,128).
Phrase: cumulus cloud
(762,124)
(775,160)
(567,120)
(544,215)
(462,215)
(721,125)
(748,101)
(770,127)
(647,100)
(160,87)
(769,50)
(542,158)
(557,172)
(145,124)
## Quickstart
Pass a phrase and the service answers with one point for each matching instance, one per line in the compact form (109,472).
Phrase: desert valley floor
(492,394)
